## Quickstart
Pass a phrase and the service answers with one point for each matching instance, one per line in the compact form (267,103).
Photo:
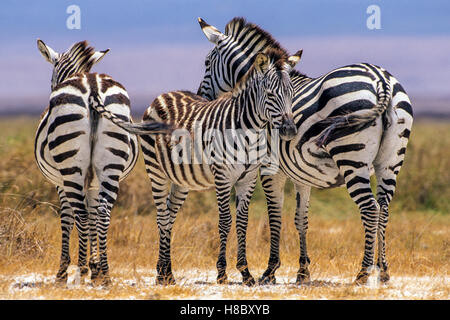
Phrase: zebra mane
(238,28)
(278,59)
(79,53)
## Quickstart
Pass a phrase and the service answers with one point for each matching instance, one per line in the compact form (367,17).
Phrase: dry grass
(417,236)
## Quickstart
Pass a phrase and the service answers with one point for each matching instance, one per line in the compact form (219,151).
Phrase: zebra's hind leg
(108,192)
(76,198)
(301,223)
(244,191)
(94,263)
(357,179)
(66,216)
(387,165)
(273,186)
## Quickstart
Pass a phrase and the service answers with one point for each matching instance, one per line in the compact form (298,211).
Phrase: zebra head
(273,89)
(78,58)
(232,55)
(230,62)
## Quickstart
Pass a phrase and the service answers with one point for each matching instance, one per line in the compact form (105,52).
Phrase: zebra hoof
(384,277)
(95,270)
(61,279)
(362,277)
(84,270)
(267,279)
(106,282)
(303,277)
(165,280)
(249,281)
(222,279)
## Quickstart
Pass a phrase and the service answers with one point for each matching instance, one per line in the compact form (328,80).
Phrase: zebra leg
(76,197)
(383,201)
(387,165)
(109,188)
(94,263)
(357,179)
(160,190)
(386,182)
(223,192)
(301,223)
(244,191)
(66,215)
(175,200)
(273,186)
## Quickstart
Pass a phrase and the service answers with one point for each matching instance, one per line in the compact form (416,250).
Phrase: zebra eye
(207,63)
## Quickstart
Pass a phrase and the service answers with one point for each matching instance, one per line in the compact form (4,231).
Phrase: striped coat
(351,122)
(210,156)
(83,155)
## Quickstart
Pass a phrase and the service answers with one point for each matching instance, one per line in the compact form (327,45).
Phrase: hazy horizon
(158,46)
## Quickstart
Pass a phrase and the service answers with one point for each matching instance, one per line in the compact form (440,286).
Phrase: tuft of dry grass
(417,236)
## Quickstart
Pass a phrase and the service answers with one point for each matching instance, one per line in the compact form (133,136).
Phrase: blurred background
(157,46)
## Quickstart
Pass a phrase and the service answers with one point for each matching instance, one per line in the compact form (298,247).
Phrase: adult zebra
(83,155)
(227,128)
(350,121)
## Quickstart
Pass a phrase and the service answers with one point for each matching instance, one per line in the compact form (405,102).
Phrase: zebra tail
(146,127)
(357,120)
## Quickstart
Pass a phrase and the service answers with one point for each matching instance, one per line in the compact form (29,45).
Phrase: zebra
(84,156)
(262,97)
(351,122)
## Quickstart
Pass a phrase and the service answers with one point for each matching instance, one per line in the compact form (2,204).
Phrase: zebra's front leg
(223,191)
(244,191)
(301,223)
(164,220)
(273,186)
(66,216)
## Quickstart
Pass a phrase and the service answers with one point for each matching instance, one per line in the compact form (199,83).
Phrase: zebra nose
(288,129)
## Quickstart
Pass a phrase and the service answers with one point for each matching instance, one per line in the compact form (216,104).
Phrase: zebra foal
(262,98)
(83,155)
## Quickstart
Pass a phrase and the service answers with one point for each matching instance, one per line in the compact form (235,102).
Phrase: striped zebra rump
(71,130)
(332,119)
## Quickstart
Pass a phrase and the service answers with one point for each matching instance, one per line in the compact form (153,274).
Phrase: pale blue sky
(157,46)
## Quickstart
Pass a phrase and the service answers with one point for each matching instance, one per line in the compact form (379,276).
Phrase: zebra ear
(261,62)
(294,59)
(97,56)
(211,33)
(48,53)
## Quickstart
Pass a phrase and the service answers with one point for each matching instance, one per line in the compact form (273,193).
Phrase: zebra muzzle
(288,129)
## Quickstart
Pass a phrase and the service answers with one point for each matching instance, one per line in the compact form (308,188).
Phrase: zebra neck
(248,114)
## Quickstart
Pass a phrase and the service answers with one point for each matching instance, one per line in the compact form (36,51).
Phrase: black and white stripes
(351,122)
(83,155)
(262,98)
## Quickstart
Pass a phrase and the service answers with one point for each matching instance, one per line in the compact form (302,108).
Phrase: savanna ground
(418,242)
